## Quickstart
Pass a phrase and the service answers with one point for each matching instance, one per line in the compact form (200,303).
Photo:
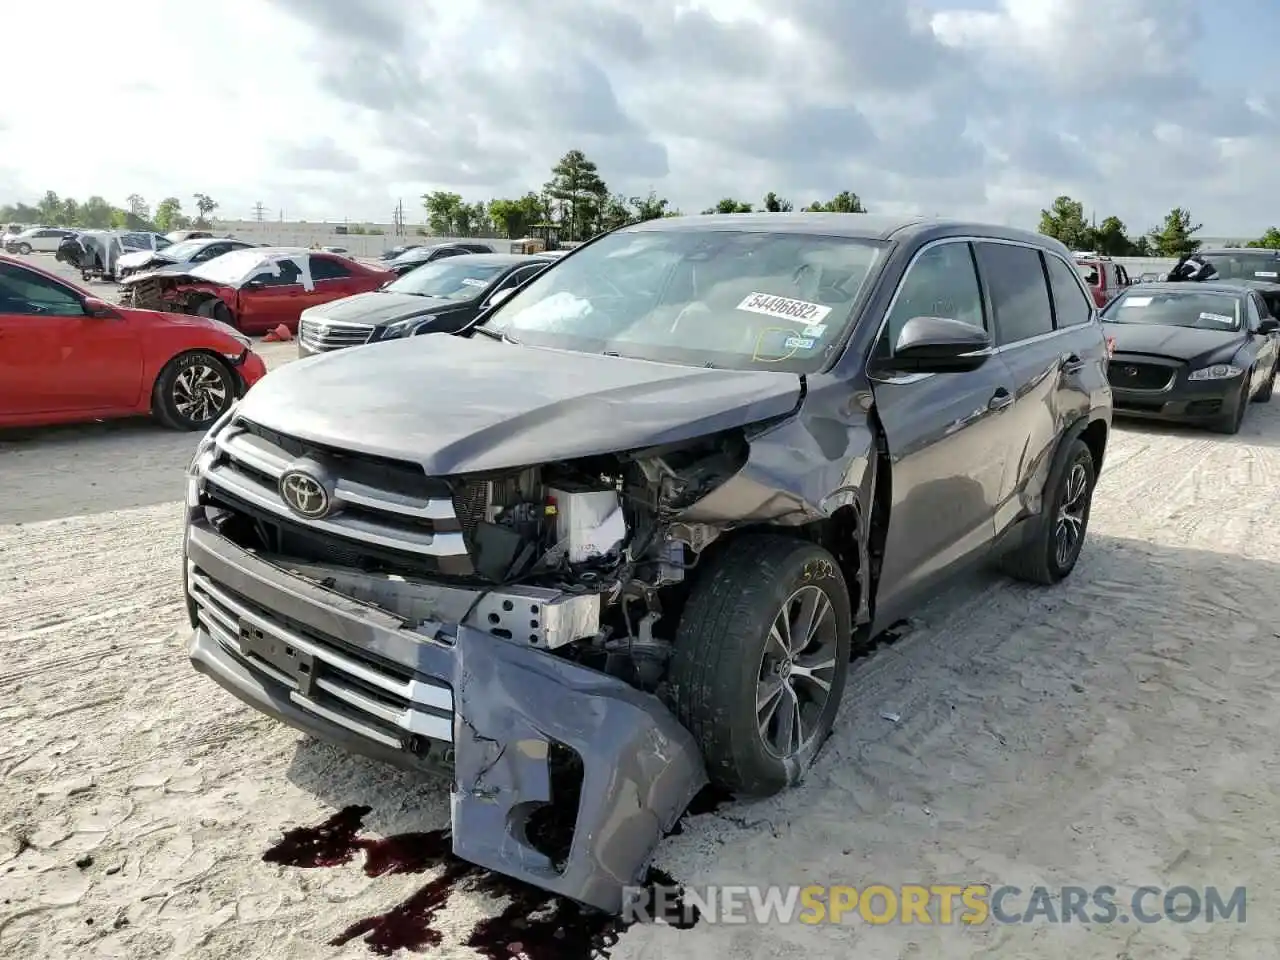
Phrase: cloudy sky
(337,108)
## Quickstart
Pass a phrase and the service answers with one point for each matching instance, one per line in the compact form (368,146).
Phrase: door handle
(1071,363)
(999,400)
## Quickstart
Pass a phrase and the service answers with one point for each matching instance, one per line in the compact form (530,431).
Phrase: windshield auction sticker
(1218,318)
(1267,274)
(784,308)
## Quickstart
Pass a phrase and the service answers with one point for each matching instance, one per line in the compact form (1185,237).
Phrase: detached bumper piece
(439,698)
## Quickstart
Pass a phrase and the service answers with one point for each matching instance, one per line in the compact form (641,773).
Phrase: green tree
(1269,240)
(729,205)
(49,209)
(18,213)
(651,207)
(137,208)
(775,204)
(1111,238)
(515,217)
(1176,237)
(169,215)
(1065,221)
(442,211)
(580,191)
(95,213)
(846,201)
(70,215)
(615,211)
(205,205)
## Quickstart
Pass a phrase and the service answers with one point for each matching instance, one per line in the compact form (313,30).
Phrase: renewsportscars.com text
(935,904)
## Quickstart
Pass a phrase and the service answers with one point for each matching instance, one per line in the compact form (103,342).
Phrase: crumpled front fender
(640,767)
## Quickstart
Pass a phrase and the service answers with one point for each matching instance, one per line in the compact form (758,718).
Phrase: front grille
(324,335)
(382,701)
(1138,375)
(385,514)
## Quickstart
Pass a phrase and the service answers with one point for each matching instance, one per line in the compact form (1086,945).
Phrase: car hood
(461,405)
(139,258)
(378,307)
(188,321)
(169,271)
(1180,343)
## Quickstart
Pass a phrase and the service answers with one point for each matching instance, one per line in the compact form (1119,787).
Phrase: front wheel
(760,662)
(192,391)
(24,248)
(1053,546)
(1232,422)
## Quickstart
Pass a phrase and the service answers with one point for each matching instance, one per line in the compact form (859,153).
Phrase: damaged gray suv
(631,523)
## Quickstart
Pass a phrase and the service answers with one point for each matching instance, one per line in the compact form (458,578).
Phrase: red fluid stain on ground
(533,924)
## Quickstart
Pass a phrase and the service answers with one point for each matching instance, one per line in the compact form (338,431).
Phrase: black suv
(631,522)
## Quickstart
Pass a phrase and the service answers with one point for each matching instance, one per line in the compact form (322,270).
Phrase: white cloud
(337,108)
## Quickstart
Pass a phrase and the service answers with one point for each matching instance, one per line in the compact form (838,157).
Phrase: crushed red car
(67,357)
(253,290)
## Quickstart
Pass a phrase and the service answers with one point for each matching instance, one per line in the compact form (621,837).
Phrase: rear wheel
(761,656)
(192,391)
(1053,547)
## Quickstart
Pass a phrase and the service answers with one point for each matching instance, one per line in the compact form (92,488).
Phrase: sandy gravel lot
(1118,730)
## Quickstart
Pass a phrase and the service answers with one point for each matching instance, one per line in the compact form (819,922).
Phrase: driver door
(54,357)
(948,433)
(1264,343)
(278,299)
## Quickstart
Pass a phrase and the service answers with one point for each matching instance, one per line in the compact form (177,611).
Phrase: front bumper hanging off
(348,673)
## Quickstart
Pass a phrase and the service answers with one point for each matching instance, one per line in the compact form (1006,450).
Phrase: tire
(1230,424)
(1068,500)
(726,642)
(215,309)
(190,377)
(1264,395)
(24,249)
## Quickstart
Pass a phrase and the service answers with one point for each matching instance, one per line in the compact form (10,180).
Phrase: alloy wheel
(1069,531)
(199,393)
(797,668)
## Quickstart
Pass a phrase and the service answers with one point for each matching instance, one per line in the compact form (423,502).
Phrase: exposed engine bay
(165,293)
(586,558)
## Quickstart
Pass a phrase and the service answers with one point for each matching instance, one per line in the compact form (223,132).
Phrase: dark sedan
(1191,352)
(417,256)
(439,297)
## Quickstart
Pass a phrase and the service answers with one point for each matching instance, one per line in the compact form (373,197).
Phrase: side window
(328,268)
(517,277)
(209,252)
(289,274)
(940,283)
(23,292)
(1019,294)
(1071,306)
(1122,275)
(46,234)
(447,252)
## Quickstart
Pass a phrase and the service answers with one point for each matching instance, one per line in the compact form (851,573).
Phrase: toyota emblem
(1130,371)
(305,495)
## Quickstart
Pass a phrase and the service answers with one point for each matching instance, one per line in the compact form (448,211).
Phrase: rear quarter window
(1071,306)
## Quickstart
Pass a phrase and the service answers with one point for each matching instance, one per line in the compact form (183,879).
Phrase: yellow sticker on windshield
(784,308)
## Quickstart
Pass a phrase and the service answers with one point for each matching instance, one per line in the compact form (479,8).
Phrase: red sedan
(66,356)
(254,290)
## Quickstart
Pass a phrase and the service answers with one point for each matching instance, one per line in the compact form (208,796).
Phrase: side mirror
(498,297)
(100,309)
(939,345)
(1269,325)
(254,285)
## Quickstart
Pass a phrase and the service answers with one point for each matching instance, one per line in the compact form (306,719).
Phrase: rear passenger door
(1047,362)
(948,433)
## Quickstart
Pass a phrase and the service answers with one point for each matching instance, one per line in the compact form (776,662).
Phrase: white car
(183,253)
(37,239)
